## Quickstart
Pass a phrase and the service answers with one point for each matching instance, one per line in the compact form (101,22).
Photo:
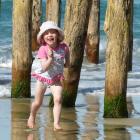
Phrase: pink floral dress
(55,72)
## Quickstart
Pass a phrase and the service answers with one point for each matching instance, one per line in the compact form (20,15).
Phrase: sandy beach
(84,122)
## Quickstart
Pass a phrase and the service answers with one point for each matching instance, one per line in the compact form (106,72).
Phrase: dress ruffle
(47,80)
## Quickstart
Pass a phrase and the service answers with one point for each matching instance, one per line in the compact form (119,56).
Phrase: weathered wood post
(36,19)
(76,23)
(117,28)
(93,35)
(53,10)
(21,51)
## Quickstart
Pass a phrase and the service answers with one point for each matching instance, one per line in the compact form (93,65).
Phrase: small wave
(4,92)
(5,63)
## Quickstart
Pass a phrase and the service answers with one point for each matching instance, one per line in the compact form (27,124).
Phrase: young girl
(53,56)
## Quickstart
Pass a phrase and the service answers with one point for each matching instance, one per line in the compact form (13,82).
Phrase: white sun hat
(49,25)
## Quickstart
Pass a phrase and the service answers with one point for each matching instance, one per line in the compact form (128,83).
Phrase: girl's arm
(46,62)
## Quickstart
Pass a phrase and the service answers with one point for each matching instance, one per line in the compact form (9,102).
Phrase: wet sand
(84,122)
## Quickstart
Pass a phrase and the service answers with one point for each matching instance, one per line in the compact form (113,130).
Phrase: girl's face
(51,37)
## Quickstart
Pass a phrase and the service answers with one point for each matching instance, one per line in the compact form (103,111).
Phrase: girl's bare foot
(31,121)
(57,127)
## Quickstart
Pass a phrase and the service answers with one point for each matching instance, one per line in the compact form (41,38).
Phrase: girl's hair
(42,41)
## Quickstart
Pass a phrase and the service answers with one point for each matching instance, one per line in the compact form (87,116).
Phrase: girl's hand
(50,53)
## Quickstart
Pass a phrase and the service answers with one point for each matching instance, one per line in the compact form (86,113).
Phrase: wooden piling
(117,28)
(75,29)
(36,20)
(93,35)
(21,49)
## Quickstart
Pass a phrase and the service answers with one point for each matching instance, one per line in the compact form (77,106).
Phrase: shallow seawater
(84,122)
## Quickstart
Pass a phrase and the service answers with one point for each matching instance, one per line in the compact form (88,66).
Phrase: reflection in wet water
(84,122)
(116,133)
(19,110)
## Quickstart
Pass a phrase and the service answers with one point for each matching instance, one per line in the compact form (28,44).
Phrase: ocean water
(92,76)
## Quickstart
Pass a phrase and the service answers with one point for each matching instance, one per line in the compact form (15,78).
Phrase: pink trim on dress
(47,80)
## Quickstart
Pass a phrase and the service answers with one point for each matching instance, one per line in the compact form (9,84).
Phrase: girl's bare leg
(39,94)
(57,96)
